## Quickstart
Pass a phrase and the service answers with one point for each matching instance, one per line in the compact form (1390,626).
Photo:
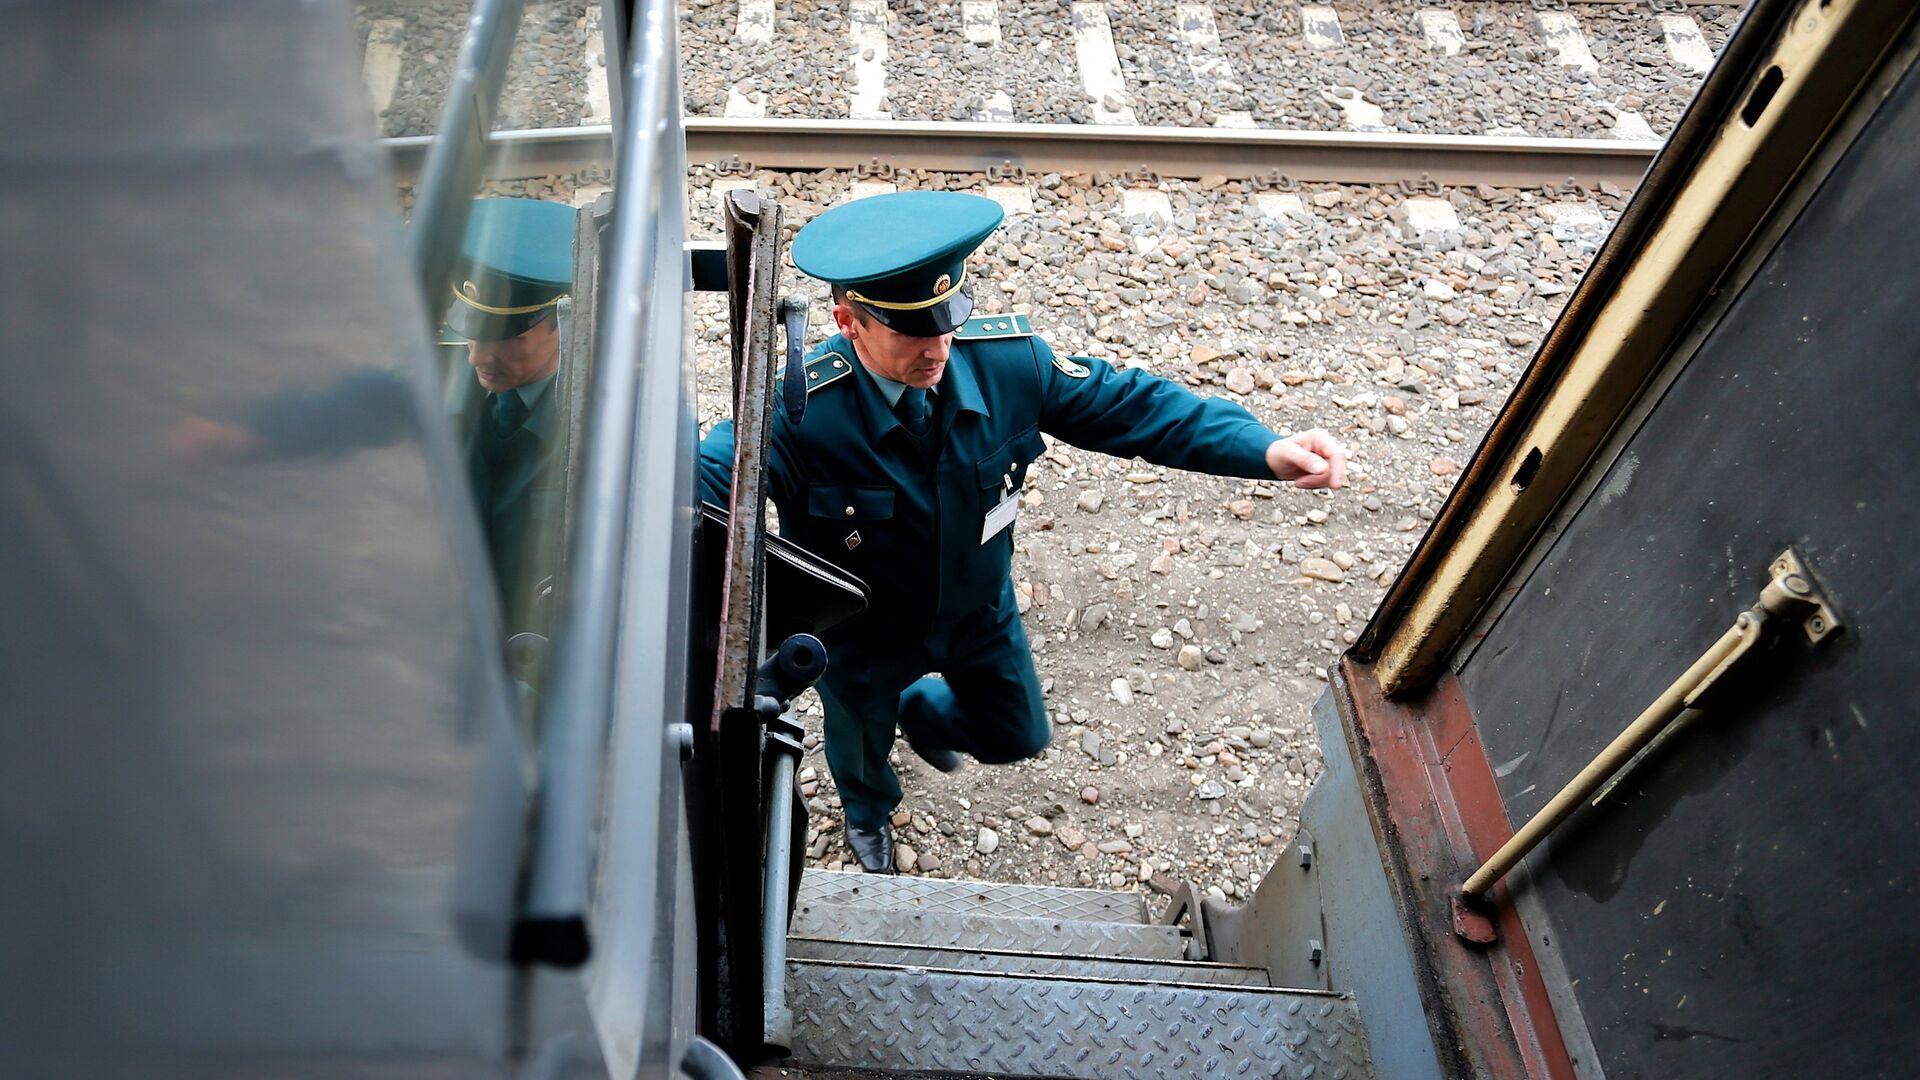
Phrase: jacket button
(849,511)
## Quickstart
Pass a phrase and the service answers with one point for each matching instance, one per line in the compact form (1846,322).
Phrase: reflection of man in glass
(515,267)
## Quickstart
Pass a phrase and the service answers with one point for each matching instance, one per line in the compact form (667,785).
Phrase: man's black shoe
(937,756)
(873,847)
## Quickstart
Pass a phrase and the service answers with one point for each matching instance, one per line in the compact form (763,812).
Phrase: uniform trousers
(987,705)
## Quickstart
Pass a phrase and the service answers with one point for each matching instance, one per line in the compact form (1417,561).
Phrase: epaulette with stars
(989,327)
(829,366)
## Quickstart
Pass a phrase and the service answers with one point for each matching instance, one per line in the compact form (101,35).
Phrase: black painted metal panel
(1743,904)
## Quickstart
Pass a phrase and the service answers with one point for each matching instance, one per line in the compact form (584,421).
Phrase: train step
(904,893)
(879,1020)
(1009,933)
(1004,962)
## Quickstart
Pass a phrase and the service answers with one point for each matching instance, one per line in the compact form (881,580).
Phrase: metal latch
(1275,180)
(1426,185)
(1140,177)
(1568,188)
(1791,596)
(733,166)
(1006,174)
(874,170)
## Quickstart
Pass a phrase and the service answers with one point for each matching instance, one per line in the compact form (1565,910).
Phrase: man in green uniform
(921,424)
(515,267)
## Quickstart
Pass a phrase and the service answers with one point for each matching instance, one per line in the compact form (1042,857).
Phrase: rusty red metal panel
(1437,812)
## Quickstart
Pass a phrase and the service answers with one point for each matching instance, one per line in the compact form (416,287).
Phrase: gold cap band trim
(491,310)
(917,305)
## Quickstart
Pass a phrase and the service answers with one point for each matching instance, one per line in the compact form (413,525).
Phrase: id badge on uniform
(1000,516)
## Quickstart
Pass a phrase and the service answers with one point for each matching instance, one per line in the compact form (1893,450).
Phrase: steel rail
(1190,153)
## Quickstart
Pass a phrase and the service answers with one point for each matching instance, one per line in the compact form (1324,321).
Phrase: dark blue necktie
(509,412)
(912,411)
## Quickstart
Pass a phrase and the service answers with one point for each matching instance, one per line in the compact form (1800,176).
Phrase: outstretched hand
(1311,459)
(201,440)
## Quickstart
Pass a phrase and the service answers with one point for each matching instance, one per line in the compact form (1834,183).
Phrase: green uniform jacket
(520,493)
(852,486)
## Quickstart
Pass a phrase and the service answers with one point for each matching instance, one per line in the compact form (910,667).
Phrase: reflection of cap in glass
(902,257)
(517,262)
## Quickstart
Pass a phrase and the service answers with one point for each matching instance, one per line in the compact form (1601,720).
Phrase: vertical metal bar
(454,163)
(616,37)
(580,703)
(778,1019)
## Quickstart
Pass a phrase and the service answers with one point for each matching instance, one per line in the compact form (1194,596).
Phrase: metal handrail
(580,700)
(457,154)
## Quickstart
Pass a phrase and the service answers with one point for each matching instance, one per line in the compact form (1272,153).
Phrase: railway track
(1499,92)
(1277,158)
(1509,68)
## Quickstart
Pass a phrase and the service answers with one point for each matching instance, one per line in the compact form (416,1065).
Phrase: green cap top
(901,257)
(516,264)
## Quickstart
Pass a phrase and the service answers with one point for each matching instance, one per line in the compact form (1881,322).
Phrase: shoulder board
(988,327)
(825,367)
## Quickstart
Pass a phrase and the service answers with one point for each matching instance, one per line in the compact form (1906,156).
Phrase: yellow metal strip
(491,310)
(1828,49)
(917,305)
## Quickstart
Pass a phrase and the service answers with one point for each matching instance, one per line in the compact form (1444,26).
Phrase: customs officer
(515,268)
(921,424)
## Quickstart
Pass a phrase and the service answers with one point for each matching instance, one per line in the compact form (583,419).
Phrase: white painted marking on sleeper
(867,189)
(1100,65)
(1441,28)
(980,21)
(1201,35)
(1147,205)
(1235,119)
(754,24)
(1631,126)
(1561,31)
(998,109)
(1280,204)
(1578,223)
(1430,215)
(1013,198)
(867,27)
(1685,43)
(585,194)
(599,99)
(719,188)
(1359,113)
(381,67)
(752,106)
(1320,25)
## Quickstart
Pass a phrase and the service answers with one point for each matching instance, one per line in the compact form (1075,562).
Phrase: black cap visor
(476,325)
(942,318)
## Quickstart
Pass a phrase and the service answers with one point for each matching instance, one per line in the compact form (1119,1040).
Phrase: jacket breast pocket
(1006,468)
(844,502)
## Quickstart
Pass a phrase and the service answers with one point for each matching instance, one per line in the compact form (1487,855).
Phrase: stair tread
(904,892)
(913,1021)
(999,961)
(1072,937)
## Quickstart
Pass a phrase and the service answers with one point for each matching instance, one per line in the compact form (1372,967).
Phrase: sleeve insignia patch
(1070,367)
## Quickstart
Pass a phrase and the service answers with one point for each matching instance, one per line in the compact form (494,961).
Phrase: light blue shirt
(532,392)
(891,389)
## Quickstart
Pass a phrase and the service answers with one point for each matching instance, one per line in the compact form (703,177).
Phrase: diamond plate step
(903,893)
(994,962)
(1067,937)
(913,1021)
